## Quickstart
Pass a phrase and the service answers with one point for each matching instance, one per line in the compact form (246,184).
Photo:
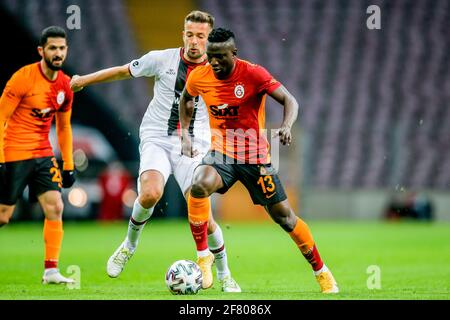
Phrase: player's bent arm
(64,133)
(105,75)
(186,113)
(285,98)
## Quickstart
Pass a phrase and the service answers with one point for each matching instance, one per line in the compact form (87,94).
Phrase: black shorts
(261,180)
(40,174)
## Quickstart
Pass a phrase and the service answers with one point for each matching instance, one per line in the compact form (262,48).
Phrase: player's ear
(40,51)
(235,50)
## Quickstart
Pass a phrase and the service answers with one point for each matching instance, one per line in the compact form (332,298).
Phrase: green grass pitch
(414,260)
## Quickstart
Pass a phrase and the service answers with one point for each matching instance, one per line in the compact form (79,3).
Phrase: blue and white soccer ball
(184,277)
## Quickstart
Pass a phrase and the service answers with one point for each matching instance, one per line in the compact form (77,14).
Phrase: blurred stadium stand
(105,40)
(374,104)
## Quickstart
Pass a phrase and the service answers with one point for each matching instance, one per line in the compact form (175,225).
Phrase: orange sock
(53,235)
(198,212)
(303,238)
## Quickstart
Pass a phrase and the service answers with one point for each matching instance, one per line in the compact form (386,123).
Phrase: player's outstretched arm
(285,98)
(77,82)
(186,113)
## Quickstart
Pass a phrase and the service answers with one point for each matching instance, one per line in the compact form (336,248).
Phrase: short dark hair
(220,35)
(200,17)
(51,32)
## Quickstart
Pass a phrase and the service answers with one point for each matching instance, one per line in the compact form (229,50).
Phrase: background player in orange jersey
(234,92)
(33,96)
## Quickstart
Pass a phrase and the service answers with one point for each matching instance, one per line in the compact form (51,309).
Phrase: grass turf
(414,259)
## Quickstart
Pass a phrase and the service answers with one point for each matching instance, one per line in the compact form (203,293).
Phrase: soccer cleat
(54,277)
(327,282)
(230,285)
(205,264)
(117,261)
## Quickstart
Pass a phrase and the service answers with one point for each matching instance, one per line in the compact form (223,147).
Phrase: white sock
(216,245)
(323,269)
(139,217)
(49,271)
(203,253)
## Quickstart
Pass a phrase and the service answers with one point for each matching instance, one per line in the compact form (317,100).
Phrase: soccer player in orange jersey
(160,148)
(234,92)
(33,96)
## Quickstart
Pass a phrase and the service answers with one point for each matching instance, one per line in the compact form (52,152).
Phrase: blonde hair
(201,17)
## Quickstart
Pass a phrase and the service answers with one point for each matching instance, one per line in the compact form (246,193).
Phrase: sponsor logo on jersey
(171,72)
(224,110)
(239,91)
(42,114)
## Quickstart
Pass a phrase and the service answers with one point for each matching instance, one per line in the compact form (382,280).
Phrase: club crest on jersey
(60,97)
(239,91)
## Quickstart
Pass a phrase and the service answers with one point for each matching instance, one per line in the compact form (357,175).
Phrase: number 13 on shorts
(266,183)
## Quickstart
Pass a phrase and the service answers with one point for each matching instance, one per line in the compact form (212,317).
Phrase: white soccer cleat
(117,261)
(54,277)
(230,285)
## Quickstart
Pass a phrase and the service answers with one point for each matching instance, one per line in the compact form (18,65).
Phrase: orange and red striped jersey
(27,106)
(236,107)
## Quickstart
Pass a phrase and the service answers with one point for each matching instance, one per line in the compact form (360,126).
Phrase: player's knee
(200,189)
(150,196)
(54,210)
(284,217)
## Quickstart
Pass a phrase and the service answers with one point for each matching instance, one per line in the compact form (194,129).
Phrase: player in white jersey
(160,147)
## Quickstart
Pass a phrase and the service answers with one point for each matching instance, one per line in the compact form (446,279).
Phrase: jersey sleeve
(14,91)
(147,65)
(190,85)
(69,99)
(265,82)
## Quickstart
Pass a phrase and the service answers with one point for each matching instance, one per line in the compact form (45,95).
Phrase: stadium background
(374,123)
(373,138)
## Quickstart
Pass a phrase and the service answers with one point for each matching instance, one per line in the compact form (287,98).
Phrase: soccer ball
(184,277)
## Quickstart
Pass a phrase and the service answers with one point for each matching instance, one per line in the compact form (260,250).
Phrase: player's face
(221,57)
(195,35)
(54,53)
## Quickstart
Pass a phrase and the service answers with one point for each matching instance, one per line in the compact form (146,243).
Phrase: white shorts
(163,154)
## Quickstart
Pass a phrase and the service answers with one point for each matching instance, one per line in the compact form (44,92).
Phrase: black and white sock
(139,217)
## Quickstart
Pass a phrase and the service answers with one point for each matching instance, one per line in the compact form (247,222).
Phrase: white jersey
(170,70)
